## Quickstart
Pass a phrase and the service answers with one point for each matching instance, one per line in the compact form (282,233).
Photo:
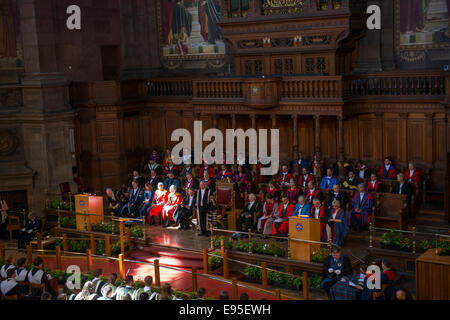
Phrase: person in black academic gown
(335,194)
(32,228)
(10,287)
(335,267)
(403,187)
(38,276)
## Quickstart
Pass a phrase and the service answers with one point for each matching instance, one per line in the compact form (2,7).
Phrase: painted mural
(423,30)
(190,35)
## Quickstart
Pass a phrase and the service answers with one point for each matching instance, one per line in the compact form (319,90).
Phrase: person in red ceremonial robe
(280,227)
(293,192)
(171,168)
(205,168)
(272,191)
(374,185)
(174,199)
(318,212)
(159,200)
(224,173)
(412,175)
(285,176)
(270,208)
(387,171)
(241,177)
(305,178)
(313,193)
(361,212)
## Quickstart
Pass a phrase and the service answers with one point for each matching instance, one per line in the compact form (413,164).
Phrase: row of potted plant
(271,248)
(396,240)
(82,245)
(105,227)
(254,274)
(61,204)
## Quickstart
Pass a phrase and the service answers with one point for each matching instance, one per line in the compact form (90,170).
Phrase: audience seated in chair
(387,171)
(280,227)
(374,185)
(269,214)
(336,225)
(329,180)
(336,266)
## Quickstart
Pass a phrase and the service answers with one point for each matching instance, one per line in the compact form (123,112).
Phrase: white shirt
(400,189)
(202,192)
(361,174)
(373,183)
(316,213)
(250,205)
(361,196)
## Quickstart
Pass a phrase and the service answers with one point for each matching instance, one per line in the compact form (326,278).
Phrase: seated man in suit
(186,209)
(336,266)
(170,180)
(388,171)
(362,204)
(154,178)
(251,209)
(403,187)
(134,202)
(374,185)
(32,228)
(305,178)
(329,180)
(335,194)
(136,177)
(116,201)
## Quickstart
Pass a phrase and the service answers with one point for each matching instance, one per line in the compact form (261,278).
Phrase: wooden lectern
(89,210)
(303,229)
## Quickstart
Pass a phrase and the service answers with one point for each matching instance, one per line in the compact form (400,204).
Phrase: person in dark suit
(335,194)
(116,200)
(32,228)
(154,179)
(251,209)
(185,210)
(203,204)
(335,267)
(134,202)
(403,187)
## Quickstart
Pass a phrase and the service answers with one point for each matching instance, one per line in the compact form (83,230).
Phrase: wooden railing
(399,84)
(311,87)
(169,88)
(230,88)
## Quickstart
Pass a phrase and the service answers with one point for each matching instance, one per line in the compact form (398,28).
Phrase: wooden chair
(13,224)
(225,201)
(392,211)
(13,297)
(376,295)
(37,286)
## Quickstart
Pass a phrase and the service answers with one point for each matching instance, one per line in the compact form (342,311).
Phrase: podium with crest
(303,228)
(89,210)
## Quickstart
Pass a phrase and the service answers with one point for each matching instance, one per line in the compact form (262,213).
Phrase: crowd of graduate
(17,282)
(170,193)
